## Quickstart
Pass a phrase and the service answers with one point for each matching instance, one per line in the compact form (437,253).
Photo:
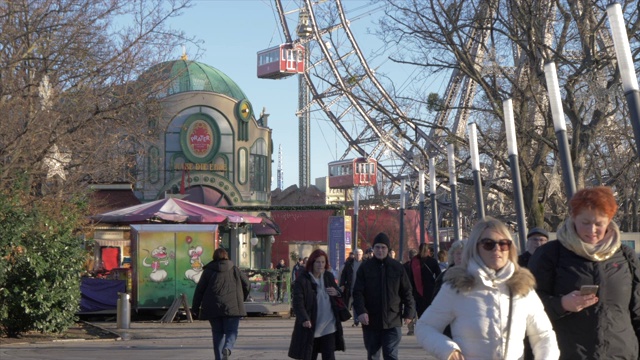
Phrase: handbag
(341,309)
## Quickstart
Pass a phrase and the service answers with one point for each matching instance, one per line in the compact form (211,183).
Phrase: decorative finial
(184,53)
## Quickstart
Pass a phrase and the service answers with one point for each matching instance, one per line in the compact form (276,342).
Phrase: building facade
(209,147)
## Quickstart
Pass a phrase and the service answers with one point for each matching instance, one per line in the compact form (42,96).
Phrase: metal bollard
(123,311)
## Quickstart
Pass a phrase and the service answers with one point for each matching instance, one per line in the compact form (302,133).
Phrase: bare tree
(502,47)
(74,105)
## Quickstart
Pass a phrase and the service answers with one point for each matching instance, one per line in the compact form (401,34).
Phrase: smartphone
(588,289)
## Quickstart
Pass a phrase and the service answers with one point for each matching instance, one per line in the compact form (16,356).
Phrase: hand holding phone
(588,289)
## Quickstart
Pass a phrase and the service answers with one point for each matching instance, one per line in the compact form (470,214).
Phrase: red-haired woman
(317,329)
(219,297)
(604,325)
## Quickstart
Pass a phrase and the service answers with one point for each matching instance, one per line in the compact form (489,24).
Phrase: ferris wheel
(344,87)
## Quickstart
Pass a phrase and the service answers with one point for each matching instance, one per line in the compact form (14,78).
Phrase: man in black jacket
(382,298)
(219,297)
(348,278)
(536,237)
(280,268)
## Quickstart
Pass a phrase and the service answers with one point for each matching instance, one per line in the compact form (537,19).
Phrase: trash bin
(123,317)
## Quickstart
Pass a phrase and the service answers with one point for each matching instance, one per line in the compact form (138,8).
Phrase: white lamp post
(434,204)
(451,160)
(512,149)
(625,64)
(555,103)
(475,168)
(421,204)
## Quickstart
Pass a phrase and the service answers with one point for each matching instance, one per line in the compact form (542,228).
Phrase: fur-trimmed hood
(521,282)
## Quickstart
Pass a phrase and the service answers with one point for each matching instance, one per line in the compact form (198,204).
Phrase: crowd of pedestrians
(574,298)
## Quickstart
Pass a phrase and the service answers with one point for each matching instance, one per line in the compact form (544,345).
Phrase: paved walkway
(259,338)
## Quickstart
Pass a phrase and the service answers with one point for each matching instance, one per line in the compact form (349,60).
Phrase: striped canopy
(176,210)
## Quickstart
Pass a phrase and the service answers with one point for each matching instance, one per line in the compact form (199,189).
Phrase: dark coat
(429,271)
(221,291)
(295,272)
(305,306)
(607,330)
(383,291)
(346,278)
(523,259)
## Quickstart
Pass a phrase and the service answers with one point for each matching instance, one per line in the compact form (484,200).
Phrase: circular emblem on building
(244,110)
(200,138)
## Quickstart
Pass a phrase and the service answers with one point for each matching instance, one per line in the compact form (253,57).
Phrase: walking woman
(317,329)
(219,297)
(489,302)
(606,323)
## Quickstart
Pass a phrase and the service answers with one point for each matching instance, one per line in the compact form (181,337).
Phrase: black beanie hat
(382,238)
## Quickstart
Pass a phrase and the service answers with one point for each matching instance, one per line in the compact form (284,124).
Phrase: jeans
(324,345)
(387,339)
(225,332)
(353,310)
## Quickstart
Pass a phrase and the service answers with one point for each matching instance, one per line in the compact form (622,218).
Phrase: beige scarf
(602,251)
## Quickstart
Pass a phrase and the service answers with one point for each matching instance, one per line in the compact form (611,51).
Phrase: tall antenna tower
(304,32)
(280,171)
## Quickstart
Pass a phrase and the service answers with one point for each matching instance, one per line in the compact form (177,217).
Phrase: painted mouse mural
(196,264)
(159,257)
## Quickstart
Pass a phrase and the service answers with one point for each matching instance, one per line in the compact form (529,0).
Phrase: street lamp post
(512,149)
(560,127)
(453,182)
(402,206)
(475,168)
(625,64)
(434,205)
(356,209)
(421,187)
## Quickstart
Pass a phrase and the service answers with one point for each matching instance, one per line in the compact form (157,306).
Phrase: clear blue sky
(233,32)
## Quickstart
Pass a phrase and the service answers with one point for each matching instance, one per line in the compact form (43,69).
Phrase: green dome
(185,76)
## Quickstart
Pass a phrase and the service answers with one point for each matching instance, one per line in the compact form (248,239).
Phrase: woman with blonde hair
(489,302)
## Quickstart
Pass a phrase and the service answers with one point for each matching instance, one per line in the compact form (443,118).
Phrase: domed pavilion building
(209,148)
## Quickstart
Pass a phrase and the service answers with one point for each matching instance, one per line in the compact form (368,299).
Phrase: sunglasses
(490,244)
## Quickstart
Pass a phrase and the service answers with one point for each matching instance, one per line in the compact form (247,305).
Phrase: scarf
(488,276)
(602,251)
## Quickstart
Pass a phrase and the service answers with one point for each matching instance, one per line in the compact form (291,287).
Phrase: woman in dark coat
(423,271)
(219,297)
(588,251)
(317,328)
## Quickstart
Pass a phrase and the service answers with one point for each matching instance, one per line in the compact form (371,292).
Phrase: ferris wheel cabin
(346,174)
(281,61)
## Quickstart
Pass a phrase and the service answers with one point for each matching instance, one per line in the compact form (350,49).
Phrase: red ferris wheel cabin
(346,174)
(281,61)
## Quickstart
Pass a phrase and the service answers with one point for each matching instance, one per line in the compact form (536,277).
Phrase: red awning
(267,227)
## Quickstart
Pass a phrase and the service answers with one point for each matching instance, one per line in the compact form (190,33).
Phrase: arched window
(258,166)
(153,165)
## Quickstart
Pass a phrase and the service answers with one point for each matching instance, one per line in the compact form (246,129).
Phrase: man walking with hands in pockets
(382,298)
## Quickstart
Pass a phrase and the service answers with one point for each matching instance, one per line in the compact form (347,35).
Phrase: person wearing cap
(382,298)
(535,238)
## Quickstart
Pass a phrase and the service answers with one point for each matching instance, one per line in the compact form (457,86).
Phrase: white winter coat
(476,305)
